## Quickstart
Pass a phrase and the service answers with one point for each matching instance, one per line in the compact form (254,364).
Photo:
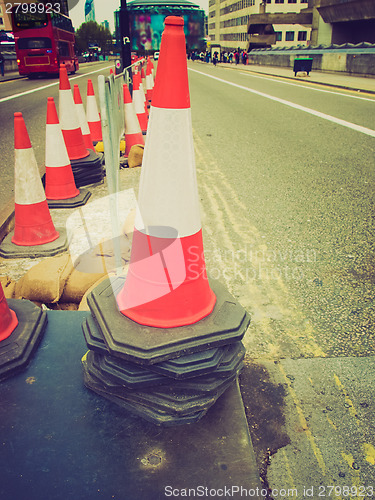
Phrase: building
(146,21)
(89,11)
(105,24)
(5,21)
(249,24)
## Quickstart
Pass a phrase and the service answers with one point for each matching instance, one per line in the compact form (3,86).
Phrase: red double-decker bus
(44,40)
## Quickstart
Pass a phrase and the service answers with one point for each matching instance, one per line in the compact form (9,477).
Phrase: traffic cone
(82,120)
(149,81)
(143,76)
(139,102)
(34,233)
(22,325)
(133,133)
(70,127)
(166,285)
(60,187)
(93,118)
(33,222)
(8,318)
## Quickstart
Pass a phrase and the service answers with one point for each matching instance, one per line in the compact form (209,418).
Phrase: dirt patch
(264,403)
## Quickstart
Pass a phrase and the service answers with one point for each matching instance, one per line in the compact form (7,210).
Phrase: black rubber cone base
(149,414)
(17,350)
(87,170)
(134,376)
(173,401)
(126,339)
(9,250)
(191,365)
(78,201)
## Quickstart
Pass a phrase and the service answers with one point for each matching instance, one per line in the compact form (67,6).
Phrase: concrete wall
(360,64)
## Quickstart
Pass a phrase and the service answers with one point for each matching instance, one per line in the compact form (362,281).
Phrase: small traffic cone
(149,81)
(133,133)
(8,318)
(139,102)
(22,325)
(93,118)
(60,188)
(34,232)
(143,76)
(166,285)
(82,118)
(70,127)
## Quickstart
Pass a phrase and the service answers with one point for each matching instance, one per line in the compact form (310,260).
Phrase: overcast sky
(104,10)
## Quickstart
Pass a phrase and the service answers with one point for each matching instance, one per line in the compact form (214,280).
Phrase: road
(286,177)
(286,180)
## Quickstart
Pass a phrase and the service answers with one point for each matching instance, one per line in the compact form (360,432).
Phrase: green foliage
(93,33)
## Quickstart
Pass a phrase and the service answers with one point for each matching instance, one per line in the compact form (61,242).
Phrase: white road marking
(338,121)
(310,88)
(14,96)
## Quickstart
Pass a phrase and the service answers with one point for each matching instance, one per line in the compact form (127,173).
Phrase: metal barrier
(112,115)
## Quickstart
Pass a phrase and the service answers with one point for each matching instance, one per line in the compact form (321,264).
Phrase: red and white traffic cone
(59,176)
(33,222)
(143,76)
(92,113)
(133,133)
(70,127)
(139,102)
(166,285)
(60,186)
(8,318)
(149,81)
(82,120)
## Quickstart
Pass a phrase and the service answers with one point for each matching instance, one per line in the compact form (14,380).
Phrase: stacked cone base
(167,376)
(8,250)
(77,201)
(87,170)
(18,349)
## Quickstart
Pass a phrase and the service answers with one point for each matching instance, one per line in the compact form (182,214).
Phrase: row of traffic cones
(70,161)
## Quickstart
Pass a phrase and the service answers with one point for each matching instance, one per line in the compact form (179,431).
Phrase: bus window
(34,43)
(64,49)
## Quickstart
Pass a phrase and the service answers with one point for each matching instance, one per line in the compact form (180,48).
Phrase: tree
(93,34)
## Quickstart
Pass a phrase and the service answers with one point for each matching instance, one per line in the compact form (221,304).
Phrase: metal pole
(125,36)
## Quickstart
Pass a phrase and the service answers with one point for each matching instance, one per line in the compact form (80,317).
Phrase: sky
(104,10)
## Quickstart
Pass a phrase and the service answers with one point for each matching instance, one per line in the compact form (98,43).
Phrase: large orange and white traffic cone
(22,325)
(34,232)
(82,120)
(70,126)
(8,318)
(139,102)
(149,81)
(133,132)
(166,285)
(60,187)
(92,113)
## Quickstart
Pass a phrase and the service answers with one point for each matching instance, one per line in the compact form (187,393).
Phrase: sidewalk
(10,75)
(339,80)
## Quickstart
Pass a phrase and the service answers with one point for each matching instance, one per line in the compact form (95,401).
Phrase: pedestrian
(2,61)
(215,58)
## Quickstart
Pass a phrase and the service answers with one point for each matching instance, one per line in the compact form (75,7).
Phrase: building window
(292,1)
(279,1)
(289,36)
(304,1)
(279,36)
(268,1)
(302,36)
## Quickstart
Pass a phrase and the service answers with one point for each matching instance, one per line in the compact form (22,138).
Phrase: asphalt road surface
(286,180)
